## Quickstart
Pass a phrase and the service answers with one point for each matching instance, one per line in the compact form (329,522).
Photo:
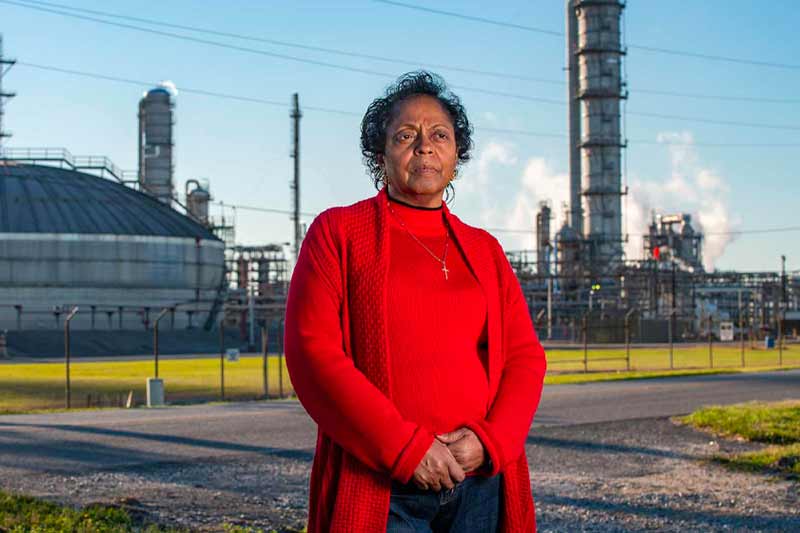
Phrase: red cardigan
(337,354)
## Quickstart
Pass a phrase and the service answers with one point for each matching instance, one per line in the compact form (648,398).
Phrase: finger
(452,436)
(435,485)
(455,472)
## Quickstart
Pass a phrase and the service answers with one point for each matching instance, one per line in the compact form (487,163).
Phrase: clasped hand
(450,456)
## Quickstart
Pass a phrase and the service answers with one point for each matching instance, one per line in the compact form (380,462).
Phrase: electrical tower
(5,66)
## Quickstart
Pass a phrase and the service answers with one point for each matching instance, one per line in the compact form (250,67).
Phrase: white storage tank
(70,238)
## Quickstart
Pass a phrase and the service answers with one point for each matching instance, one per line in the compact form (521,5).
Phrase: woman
(409,341)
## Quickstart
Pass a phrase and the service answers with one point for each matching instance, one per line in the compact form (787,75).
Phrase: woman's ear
(381,160)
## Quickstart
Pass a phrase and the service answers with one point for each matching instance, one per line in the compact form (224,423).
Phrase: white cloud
(506,194)
(690,188)
(495,153)
(539,182)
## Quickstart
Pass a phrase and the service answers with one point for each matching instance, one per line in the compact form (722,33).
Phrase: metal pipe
(265,359)
(585,331)
(710,341)
(222,357)
(68,385)
(280,358)
(741,328)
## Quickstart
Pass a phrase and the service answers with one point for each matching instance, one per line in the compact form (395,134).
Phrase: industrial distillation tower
(156,167)
(596,89)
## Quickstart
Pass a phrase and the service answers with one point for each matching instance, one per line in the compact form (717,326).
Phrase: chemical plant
(577,281)
(124,246)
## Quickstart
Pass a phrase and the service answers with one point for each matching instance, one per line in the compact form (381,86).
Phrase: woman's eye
(442,135)
(404,136)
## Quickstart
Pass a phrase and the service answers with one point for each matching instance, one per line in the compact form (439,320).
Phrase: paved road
(91,440)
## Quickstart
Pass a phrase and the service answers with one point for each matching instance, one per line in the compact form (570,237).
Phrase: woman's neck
(424,201)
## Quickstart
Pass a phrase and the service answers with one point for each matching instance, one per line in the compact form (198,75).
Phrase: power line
(786,229)
(275,103)
(203,92)
(263,209)
(696,55)
(732,98)
(328,50)
(272,54)
(349,53)
(381,74)
(715,121)
(755,231)
(474,19)
(201,41)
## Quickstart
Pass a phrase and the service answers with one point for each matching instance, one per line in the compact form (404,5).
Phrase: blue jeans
(471,506)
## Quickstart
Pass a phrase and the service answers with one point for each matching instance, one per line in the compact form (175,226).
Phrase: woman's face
(420,155)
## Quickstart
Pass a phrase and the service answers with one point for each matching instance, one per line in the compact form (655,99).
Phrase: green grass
(24,514)
(726,355)
(777,424)
(621,375)
(20,514)
(40,386)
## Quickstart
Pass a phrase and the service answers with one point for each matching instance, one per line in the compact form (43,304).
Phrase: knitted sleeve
(339,397)
(504,430)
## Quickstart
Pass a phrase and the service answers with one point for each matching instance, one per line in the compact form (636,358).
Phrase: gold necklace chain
(443,259)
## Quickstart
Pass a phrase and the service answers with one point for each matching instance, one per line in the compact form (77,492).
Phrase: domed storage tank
(70,238)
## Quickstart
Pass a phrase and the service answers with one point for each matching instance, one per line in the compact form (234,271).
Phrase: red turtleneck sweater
(437,327)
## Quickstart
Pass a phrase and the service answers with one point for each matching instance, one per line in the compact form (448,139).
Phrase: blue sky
(243,148)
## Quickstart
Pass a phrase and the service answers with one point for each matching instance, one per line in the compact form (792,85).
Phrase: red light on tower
(657,253)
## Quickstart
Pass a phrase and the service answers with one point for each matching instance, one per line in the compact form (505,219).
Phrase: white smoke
(690,188)
(497,164)
(539,183)
(494,153)
(170,87)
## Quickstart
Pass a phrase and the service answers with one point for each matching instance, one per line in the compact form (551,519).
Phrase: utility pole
(5,66)
(674,306)
(782,309)
(295,114)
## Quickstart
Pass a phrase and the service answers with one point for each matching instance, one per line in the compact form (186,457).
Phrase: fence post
(585,332)
(710,342)
(280,359)
(68,385)
(155,337)
(671,340)
(780,339)
(264,355)
(627,343)
(628,338)
(222,357)
(741,333)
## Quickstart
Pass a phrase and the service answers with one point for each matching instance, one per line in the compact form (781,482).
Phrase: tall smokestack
(600,90)
(575,209)
(156,144)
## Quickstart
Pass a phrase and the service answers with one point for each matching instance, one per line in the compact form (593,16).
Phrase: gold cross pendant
(445,270)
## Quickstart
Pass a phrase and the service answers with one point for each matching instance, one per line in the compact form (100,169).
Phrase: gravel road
(592,469)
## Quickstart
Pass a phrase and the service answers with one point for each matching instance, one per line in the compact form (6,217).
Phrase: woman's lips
(426,170)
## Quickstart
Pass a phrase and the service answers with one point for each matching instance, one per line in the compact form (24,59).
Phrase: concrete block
(155,392)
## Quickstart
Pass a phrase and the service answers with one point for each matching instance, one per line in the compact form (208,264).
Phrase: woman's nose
(424,145)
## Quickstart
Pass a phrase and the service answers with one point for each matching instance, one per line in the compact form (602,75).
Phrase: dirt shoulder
(639,475)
